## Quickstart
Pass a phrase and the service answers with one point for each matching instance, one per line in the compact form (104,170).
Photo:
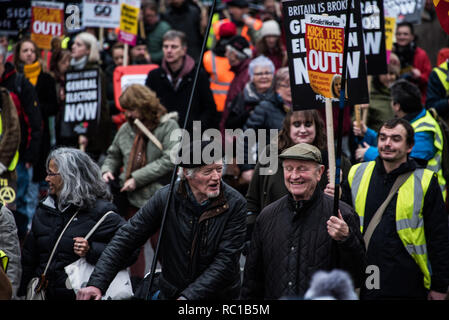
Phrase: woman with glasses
(75,186)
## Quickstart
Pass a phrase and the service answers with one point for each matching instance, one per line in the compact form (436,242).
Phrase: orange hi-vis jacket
(220,77)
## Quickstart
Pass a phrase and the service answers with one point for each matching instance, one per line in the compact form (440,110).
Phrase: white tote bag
(78,274)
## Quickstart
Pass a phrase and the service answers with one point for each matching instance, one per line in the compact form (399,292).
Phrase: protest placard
(390,27)
(373,22)
(101,13)
(129,14)
(16,17)
(82,101)
(324,39)
(294,25)
(47,21)
(405,10)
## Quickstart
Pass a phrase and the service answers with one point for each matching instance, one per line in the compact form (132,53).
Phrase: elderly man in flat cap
(202,238)
(297,235)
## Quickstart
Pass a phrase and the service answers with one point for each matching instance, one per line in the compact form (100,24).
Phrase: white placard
(101,13)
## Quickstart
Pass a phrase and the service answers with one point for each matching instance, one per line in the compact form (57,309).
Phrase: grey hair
(189,172)
(281,75)
(82,183)
(91,43)
(333,285)
(260,61)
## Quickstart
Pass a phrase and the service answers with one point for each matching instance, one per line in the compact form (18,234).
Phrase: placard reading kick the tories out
(294,25)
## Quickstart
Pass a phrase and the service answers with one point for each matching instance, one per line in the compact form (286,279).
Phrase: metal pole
(173,177)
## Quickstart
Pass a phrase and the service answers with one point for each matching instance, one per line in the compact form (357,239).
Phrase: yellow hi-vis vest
(441,72)
(409,206)
(3,260)
(14,161)
(428,123)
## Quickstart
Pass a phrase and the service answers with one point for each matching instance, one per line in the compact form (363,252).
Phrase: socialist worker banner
(324,43)
(47,21)
(295,28)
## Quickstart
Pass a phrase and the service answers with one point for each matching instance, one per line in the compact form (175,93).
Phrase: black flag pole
(341,110)
(174,173)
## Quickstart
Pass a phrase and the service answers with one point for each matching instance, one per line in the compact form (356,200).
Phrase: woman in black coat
(75,186)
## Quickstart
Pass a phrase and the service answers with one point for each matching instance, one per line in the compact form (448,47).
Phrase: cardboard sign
(101,13)
(47,21)
(82,100)
(124,76)
(324,43)
(129,14)
(405,10)
(16,17)
(294,25)
(390,27)
(373,22)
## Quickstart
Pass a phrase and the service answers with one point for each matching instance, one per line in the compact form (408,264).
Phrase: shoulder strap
(378,215)
(97,225)
(57,242)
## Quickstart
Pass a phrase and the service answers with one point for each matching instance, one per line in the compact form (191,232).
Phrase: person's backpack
(445,153)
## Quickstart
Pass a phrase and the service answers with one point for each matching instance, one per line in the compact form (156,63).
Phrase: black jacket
(290,243)
(400,276)
(203,105)
(200,248)
(48,223)
(29,113)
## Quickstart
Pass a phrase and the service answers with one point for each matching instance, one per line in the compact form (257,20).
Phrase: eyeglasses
(284,85)
(52,174)
(260,74)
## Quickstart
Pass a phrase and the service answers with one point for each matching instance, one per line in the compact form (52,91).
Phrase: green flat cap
(302,151)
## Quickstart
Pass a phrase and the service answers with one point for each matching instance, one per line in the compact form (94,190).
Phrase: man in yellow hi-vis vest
(428,148)
(408,252)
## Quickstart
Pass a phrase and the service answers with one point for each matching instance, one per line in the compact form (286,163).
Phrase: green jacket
(158,162)
(154,41)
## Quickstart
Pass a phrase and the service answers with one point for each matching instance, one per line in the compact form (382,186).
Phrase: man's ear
(320,170)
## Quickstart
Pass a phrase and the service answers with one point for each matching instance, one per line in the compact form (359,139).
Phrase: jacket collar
(296,207)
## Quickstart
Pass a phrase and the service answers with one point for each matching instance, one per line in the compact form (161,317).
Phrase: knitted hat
(270,28)
(227,29)
(238,3)
(240,44)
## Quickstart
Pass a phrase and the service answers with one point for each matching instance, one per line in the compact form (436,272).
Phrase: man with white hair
(202,238)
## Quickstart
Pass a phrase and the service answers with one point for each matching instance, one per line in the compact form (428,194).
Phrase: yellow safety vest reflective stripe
(15,160)
(441,72)
(428,123)
(4,260)
(409,206)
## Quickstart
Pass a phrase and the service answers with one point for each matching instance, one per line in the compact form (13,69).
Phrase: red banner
(442,9)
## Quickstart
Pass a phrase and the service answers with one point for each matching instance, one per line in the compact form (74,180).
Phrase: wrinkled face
(301,177)
(284,91)
(173,50)
(205,183)
(79,49)
(404,36)
(302,130)
(27,53)
(392,144)
(150,16)
(54,179)
(117,56)
(262,78)
(271,41)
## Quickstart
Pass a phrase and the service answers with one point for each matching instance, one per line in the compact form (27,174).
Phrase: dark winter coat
(203,105)
(400,276)
(48,223)
(437,96)
(29,114)
(200,248)
(290,243)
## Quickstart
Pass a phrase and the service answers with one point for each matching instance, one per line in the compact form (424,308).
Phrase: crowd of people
(393,208)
